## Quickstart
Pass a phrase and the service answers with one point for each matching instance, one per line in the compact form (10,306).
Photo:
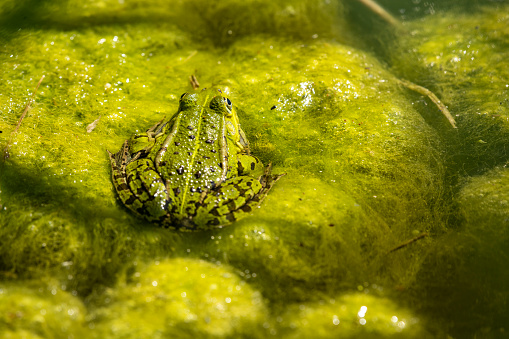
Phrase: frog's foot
(120,159)
(267,180)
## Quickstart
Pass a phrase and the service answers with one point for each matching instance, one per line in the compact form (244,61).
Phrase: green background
(369,165)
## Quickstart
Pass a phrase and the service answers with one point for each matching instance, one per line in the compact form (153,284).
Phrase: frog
(193,171)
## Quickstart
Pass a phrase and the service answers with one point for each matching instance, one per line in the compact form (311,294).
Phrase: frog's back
(193,157)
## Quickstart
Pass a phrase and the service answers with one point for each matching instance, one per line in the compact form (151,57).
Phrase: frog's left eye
(228,104)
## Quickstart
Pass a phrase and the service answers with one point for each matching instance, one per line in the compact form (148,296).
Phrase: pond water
(389,223)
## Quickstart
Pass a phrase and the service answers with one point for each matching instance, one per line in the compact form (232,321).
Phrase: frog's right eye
(183,95)
(228,104)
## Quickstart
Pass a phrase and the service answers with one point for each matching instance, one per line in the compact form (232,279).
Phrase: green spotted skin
(193,171)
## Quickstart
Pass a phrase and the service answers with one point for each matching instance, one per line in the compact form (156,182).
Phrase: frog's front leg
(145,141)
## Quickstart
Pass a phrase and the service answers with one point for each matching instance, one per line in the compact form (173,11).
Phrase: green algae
(467,57)
(365,172)
(348,317)
(35,310)
(471,262)
(191,298)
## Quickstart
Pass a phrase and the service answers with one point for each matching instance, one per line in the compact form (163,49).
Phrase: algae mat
(369,167)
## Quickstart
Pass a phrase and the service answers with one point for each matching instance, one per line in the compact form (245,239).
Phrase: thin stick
(432,97)
(372,5)
(193,53)
(194,81)
(27,107)
(408,242)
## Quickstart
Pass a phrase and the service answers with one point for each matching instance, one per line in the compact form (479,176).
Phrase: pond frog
(193,171)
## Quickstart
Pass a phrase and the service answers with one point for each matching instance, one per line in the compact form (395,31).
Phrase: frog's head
(216,102)
(213,98)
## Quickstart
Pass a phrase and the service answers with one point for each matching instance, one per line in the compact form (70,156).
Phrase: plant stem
(372,5)
(432,97)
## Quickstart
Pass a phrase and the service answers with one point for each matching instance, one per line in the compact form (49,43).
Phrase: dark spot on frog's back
(131,200)
(124,187)
(252,166)
(197,175)
(176,191)
(180,170)
(213,222)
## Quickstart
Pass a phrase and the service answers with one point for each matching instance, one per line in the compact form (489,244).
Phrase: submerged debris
(408,242)
(93,125)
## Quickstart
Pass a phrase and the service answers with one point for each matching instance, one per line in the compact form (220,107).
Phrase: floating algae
(366,171)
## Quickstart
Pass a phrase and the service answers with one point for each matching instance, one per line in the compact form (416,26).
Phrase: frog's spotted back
(188,175)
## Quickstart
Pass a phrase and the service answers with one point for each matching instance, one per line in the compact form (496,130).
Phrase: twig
(408,242)
(194,81)
(372,5)
(193,53)
(432,97)
(27,107)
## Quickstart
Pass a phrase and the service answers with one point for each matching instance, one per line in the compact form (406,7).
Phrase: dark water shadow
(102,241)
(35,14)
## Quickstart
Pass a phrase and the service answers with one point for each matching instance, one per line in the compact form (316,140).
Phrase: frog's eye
(228,104)
(183,95)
